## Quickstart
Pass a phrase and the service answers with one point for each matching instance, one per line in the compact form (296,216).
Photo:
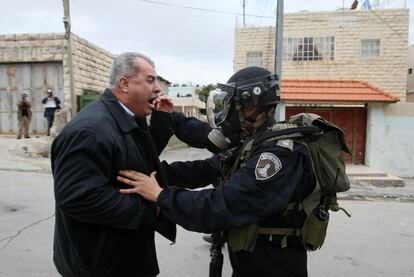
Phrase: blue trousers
(50,116)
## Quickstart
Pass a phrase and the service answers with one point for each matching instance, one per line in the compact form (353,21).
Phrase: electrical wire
(220,11)
(258,29)
(260,17)
(127,11)
(200,9)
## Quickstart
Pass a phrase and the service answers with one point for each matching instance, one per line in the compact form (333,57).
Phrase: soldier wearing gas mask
(263,184)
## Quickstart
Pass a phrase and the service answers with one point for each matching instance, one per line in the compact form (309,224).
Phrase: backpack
(326,144)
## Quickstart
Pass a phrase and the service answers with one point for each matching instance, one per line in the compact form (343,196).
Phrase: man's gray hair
(125,65)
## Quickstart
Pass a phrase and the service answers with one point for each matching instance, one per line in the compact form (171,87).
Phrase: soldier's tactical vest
(326,144)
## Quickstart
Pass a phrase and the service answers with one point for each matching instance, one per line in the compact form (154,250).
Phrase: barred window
(370,47)
(254,58)
(308,48)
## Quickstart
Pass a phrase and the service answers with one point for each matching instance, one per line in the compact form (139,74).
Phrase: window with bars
(308,48)
(370,48)
(254,58)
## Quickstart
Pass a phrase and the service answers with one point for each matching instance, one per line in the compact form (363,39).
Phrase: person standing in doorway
(24,116)
(51,105)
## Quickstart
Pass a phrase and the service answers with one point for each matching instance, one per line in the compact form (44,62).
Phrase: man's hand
(146,186)
(163,103)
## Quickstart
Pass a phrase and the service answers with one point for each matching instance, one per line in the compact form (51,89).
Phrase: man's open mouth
(151,99)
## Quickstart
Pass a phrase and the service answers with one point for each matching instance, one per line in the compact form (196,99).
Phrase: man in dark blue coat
(98,231)
(264,185)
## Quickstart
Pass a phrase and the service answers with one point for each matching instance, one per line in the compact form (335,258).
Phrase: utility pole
(281,107)
(66,18)
(244,13)
(66,22)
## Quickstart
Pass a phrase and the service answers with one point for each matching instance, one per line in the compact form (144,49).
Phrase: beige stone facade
(32,47)
(349,29)
(90,63)
(91,66)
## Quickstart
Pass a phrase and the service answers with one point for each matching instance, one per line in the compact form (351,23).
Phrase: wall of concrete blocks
(349,27)
(32,47)
(90,63)
(91,66)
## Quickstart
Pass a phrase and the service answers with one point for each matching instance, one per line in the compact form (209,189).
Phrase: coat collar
(125,122)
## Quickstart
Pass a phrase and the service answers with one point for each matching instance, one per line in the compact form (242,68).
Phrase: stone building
(34,62)
(186,100)
(184,90)
(349,66)
(364,45)
(190,106)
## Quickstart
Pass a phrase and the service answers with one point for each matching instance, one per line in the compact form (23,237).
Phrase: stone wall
(39,48)
(349,27)
(90,63)
(32,48)
(91,66)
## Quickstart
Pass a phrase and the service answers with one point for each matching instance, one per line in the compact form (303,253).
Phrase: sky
(193,44)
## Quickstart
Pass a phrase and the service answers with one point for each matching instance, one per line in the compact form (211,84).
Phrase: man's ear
(123,84)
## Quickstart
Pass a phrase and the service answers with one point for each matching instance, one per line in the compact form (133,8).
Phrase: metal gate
(34,79)
(88,97)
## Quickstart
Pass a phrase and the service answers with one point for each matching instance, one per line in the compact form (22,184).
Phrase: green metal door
(87,97)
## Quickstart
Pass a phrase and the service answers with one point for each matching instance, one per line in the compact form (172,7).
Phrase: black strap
(301,131)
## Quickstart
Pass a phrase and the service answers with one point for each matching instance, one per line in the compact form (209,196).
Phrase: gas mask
(223,113)
(225,104)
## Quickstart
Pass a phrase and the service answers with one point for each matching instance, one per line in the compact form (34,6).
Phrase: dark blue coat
(242,199)
(250,195)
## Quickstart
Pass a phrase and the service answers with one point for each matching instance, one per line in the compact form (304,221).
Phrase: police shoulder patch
(267,166)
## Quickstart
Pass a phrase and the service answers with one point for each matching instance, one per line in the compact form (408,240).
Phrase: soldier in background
(24,116)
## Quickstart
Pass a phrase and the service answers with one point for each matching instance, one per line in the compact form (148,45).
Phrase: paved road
(378,240)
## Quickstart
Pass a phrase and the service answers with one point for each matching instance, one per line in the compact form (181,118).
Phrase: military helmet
(250,87)
(255,86)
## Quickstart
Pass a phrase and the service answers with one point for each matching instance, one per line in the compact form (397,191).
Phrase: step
(367,174)
(388,181)
(353,170)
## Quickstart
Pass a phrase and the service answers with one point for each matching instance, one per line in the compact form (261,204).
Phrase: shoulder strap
(272,134)
(288,133)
